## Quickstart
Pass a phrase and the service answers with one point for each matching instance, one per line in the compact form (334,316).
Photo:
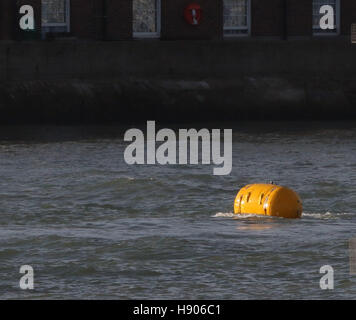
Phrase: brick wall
(112,19)
(119,19)
(7,21)
(299,18)
(267,18)
(348,15)
(101,19)
(281,18)
(82,22)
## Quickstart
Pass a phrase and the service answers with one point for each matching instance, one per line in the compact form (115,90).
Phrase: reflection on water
(255,227)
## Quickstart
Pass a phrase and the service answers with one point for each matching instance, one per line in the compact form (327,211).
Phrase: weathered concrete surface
(243,98)
(61,82)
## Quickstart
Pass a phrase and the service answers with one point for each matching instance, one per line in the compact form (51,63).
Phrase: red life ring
(192,14)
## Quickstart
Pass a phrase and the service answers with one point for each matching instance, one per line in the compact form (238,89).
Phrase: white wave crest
(237,216)
(223,215)
(316,215)
(326,215)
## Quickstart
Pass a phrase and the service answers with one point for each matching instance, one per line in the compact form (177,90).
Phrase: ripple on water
(94,227)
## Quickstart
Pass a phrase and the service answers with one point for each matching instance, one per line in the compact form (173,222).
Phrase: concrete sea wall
(127,81)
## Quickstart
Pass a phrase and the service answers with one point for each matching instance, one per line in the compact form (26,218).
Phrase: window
(236,17)
(55,16)
(353,33)
(317,4)
(146,18)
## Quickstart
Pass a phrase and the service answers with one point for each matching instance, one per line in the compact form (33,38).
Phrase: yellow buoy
(268,200)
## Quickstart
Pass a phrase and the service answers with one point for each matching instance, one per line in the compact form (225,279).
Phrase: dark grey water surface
(93,227)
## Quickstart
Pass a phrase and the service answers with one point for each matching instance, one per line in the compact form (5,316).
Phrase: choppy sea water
(92,226)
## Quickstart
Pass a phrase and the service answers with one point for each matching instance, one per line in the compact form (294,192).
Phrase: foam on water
(326,215)
(223,215)
(316,215)
(238,216)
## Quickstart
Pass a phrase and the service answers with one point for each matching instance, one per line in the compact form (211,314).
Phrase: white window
(317,4)
(146,18)
(237,17)
(55,16)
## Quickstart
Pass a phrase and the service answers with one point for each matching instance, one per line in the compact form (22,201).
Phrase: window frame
(248,26)
(66,24)
(330,33)
(157,33)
